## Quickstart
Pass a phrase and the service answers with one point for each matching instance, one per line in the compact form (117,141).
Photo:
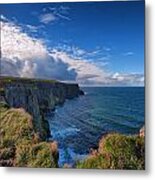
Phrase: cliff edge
(36,97)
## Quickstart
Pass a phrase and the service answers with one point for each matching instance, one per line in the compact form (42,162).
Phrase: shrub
(20,146)
(117,151)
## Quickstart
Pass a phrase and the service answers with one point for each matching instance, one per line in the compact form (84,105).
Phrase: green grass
(35,155)
(8,80)
(117,151)
(19,145)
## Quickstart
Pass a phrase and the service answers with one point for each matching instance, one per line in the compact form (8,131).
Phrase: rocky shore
(36,97)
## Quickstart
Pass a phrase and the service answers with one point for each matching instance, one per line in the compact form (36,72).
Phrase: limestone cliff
(36,97)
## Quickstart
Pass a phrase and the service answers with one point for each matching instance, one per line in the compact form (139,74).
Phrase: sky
(91,43)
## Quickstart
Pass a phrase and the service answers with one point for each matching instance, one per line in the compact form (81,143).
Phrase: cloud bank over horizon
(26,56)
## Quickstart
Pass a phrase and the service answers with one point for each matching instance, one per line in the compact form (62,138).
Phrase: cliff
(36,97)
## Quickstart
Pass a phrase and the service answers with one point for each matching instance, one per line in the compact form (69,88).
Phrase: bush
(20,146)
(117,151)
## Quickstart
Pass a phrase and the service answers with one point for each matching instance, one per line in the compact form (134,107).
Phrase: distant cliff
(36,97)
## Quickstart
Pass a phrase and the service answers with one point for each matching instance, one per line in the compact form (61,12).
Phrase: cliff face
(37,97)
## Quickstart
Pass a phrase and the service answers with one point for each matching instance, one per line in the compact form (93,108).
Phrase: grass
(10,79)
(35,155)
(19,145)
(117,151)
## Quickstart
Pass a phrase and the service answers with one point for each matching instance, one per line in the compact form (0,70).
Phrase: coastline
(28,100)
(65,126)
(29,138)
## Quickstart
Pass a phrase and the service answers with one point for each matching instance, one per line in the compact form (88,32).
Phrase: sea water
(79,124)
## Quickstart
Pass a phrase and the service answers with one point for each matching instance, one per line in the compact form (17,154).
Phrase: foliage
(117,151)
(19,145)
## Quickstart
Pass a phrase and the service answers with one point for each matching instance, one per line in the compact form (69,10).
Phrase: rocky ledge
(36,97)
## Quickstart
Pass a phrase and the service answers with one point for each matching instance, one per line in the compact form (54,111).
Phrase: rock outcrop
(36,97)
(142,132)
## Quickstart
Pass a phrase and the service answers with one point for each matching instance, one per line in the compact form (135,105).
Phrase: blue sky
(108,35)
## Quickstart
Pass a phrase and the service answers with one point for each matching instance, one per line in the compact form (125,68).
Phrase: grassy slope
(117,151)
(20,145)
(8,79)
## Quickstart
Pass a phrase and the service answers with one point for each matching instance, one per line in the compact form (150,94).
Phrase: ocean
(79,124)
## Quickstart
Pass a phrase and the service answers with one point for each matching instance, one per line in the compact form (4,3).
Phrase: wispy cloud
(32,28)
(47,18)
(3,18)
(97,54)
(51,14)
(107,48)
(129,53)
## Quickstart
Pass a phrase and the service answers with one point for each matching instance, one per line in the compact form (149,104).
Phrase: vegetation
(8,80)
(117,152)
(20,145)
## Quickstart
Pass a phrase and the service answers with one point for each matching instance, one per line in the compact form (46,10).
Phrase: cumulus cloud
(87,72)
(132,79)
(90,73)
(26,56)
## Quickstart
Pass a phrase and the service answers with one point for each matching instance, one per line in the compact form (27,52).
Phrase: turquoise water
(78,125)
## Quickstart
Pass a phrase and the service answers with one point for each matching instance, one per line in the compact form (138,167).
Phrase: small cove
(78,125)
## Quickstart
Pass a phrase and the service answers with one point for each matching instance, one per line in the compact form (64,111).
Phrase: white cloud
(63,16)
(32,28)
(91,74)
(86,72)
(107,48)
(2,17)
(16,44)
(99,54)
(130,53)
(26,56)
(132,79)
(47,18)
(60,12)
(51,14)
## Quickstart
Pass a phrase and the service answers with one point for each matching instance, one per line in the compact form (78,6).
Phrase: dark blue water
(78,125)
